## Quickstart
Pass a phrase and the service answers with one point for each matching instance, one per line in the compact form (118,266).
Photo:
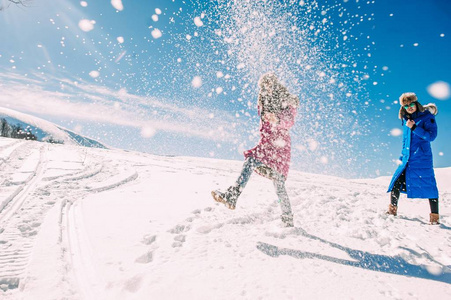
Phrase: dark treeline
(15,131)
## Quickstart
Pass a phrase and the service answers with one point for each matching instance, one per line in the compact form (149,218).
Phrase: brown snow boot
(229,197)
(434,219)
(392,210)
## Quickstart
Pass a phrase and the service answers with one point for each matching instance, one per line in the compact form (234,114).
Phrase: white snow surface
(86,223)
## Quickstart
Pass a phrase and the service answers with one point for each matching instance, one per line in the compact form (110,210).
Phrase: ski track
(35,177)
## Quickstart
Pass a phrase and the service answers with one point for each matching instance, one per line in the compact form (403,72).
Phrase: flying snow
(94,74)
(312,144)
(83,3)
(198,22)
(280,143)
(117,4)
(395,132)
(78,128)
(147,132)
(86,25)
(300,148)
(439,90)
(196,82)
(156,33)
(310,49)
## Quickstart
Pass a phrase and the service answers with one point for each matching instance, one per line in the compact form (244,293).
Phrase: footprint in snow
(208,228)
(179,240)
(179,229)
(149,239)
(145,258)
(148,256)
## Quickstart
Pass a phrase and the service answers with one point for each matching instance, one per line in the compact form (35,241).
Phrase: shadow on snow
(365,260)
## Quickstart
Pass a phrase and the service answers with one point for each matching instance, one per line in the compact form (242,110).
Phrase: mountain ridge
(31,127)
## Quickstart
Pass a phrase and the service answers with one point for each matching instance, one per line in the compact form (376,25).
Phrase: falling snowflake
(196,82)
(156,33)
(147,132)
(395,132)
(86,25)
(117,4)
(440,90)
(94,74)
(198,22)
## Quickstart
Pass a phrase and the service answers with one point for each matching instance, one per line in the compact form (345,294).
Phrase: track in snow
(34,177)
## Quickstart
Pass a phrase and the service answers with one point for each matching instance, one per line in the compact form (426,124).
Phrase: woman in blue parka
(415,175)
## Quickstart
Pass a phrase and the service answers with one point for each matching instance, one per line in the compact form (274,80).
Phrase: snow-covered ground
(84,223)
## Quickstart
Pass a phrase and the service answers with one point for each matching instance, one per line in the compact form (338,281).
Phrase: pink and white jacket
(274,147)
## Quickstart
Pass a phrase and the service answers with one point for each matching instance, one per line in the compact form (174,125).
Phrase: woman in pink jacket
(271,157)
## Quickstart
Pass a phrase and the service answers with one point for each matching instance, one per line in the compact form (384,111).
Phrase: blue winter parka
(416,157)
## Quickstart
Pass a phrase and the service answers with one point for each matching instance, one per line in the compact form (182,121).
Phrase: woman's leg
(287,214)
(248,167)
(434,216)
(230,196)
(394,195)
(395,192)
(434,205)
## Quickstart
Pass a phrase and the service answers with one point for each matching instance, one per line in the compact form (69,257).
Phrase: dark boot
(434,219)
(229,197)
(392,210)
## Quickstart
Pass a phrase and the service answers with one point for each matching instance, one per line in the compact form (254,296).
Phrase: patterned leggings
(398,186)
(279,183)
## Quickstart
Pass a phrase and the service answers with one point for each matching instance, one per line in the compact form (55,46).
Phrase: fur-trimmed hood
(432,108)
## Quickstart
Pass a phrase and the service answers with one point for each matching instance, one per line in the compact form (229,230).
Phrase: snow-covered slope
(85,223)
(45,130)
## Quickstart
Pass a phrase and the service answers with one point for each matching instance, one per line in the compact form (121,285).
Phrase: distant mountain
(23,126)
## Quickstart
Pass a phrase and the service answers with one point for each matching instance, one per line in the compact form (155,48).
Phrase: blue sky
(179,77)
